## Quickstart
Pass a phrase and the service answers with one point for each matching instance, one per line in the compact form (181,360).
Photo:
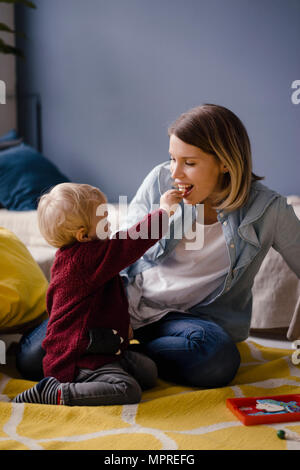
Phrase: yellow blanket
(169,417)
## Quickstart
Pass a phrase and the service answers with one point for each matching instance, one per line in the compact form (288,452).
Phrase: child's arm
(128,246)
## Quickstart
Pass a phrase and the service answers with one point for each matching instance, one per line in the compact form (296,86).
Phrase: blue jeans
(187,350)
(29,358)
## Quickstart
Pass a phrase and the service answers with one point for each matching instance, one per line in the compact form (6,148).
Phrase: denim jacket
(265,221)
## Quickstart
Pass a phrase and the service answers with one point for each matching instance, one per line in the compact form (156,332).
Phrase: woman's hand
(170,199)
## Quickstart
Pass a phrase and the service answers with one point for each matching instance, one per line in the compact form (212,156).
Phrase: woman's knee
(216,358)
(29,363)
(29,358)
(215,370)
(204,357)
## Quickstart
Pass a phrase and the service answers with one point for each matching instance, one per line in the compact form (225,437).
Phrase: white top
(181,280)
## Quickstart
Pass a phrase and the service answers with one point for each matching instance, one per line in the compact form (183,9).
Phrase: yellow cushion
(23,285)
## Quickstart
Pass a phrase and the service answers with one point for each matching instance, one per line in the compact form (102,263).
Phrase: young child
(86,358)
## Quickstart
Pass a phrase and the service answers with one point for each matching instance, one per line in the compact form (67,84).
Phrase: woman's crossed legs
(190,350)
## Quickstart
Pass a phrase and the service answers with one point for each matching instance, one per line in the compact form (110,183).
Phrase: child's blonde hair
(65,209)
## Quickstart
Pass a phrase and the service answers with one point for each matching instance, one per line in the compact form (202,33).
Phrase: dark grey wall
(113,74)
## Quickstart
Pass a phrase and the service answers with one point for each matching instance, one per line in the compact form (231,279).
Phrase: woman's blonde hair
(65,209)
(218,131)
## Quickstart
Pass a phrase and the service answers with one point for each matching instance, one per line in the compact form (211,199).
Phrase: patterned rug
(170,417)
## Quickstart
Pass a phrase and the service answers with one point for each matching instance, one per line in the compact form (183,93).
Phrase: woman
(190,306)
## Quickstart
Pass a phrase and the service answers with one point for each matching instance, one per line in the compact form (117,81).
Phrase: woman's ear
(82,235)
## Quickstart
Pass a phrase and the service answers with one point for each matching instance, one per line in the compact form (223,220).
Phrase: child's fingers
(178,195)
(175,192)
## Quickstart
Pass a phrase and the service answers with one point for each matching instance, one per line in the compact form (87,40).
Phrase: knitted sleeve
(127,246)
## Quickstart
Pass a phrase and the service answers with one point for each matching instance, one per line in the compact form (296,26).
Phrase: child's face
(100,227)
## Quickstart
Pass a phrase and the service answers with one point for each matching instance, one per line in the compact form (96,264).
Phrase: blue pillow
(11,135)
(25,175)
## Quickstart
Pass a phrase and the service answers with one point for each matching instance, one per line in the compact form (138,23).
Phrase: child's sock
(47,391)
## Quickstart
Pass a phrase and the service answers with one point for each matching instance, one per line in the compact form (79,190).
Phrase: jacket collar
(259,200)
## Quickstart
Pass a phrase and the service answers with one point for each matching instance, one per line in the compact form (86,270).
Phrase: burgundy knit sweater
(86,291)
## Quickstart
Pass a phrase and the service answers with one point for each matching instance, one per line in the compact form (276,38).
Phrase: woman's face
(194,171)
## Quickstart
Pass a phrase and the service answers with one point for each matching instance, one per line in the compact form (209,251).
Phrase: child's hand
(104,341)
(170,199)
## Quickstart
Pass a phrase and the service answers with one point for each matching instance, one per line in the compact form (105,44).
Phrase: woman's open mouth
(185,189)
